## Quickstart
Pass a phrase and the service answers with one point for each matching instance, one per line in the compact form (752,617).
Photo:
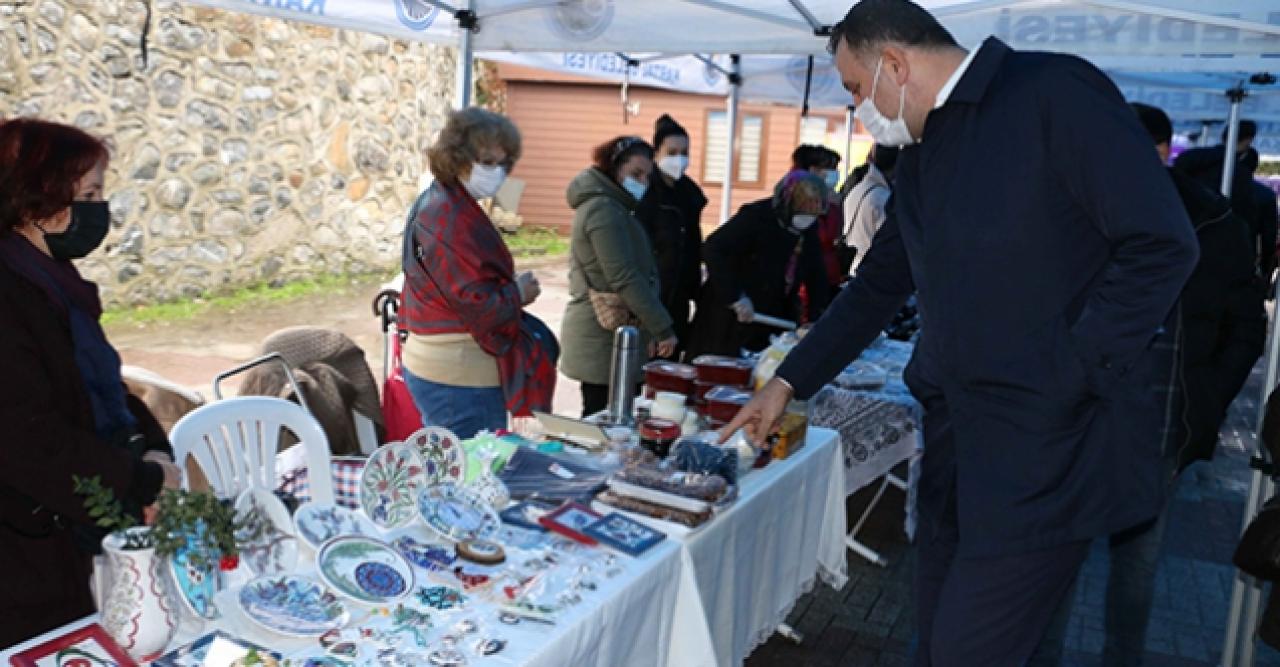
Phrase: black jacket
(1205,166)
(671,216)
(1043,275)
(1223,324)
(48,436)
(748,255)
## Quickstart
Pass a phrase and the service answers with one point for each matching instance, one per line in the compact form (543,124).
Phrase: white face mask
(803,221)
(674,165)
(832,178)
(485,180)
(635,187)
(886,132)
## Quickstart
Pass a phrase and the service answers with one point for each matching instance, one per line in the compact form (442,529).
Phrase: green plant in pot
(195,531)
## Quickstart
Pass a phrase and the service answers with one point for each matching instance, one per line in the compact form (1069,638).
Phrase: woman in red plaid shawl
(472,354)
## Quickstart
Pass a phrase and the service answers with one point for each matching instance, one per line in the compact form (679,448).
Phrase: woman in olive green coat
(610,252)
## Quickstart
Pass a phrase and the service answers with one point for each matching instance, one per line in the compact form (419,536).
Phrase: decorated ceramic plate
(390,483)
(317,523)
(364,569)
(457,514)
(426,555)
(267,544)
(292,605)
(196,584)
(441,453)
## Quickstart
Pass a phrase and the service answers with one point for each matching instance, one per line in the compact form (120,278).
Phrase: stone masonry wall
(246,150)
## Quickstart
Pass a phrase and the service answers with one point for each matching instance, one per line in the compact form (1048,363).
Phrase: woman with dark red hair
(63,406)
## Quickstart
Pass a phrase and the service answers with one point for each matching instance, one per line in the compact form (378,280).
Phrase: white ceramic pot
(139,612)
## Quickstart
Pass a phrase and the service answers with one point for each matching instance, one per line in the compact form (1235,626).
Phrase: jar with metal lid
(657,435)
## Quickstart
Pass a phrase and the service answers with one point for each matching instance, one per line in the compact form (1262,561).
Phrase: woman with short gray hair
(472,354)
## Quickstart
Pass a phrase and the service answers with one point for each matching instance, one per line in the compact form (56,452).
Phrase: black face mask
(90,221)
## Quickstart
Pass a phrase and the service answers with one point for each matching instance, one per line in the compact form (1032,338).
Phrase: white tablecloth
(755,560)
(703,599)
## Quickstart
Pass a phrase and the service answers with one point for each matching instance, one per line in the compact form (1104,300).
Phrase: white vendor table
(702,599)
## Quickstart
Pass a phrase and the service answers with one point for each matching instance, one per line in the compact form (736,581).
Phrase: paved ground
(870,621)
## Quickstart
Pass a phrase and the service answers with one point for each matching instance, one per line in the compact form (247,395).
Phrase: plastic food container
(728,371)
(669,376)
(723,403)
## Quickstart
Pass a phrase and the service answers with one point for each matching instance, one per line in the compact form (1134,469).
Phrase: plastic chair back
(236,441)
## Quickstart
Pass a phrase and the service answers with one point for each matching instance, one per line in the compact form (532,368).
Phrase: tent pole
(1236,95)
(848,142)
(466,54)
(735,83)
(1203,139)
(1246,592)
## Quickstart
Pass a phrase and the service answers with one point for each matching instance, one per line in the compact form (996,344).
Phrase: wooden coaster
(482,551)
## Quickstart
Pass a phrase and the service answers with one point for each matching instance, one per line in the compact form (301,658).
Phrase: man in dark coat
(1043,275)
(1218,319)
(1205,165)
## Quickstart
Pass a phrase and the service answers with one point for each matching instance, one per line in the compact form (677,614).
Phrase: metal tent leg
(1236,95)
(1246,592)
(735,84)
(851,540)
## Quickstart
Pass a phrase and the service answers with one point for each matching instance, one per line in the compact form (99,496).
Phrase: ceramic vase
(139,612)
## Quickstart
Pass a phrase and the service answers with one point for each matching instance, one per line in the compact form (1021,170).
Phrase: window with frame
(749,157)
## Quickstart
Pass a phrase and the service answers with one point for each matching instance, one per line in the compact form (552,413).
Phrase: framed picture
(216,649)
(622,533)
(570,520)
(89,646)
(526,513)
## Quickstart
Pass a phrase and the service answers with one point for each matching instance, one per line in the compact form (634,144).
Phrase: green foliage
(536,242)
(247,297)
(1270,168)
(108,513)
(178,515)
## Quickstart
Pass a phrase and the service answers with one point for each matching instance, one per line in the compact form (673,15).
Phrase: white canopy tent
(1183,55)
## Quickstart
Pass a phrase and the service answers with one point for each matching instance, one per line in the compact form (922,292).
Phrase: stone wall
(245,150)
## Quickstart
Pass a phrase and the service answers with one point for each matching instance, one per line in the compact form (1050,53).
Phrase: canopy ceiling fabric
(1147,35)
(1178,54)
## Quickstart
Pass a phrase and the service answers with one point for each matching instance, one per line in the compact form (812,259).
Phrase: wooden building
(562,117)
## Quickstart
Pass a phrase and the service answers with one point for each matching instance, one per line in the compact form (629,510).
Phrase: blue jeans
(463,410)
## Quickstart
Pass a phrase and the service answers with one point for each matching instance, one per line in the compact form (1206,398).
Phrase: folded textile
(532,474)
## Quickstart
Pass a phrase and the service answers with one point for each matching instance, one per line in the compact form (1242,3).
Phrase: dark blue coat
(1047,245)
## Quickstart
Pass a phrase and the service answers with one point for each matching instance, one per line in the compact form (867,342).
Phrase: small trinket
(441,597)
(482,551)
(470,581)
(490,646)
(466,626)
(448,654)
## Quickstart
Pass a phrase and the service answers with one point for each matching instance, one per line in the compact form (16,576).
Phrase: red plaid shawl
(459,277)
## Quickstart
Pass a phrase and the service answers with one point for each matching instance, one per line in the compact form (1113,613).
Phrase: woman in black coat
(63,405)
(670,213)
(756,263)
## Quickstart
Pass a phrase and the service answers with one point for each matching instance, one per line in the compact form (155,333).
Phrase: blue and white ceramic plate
(364,569)
(428,556)
(317,523)
(196,584)
(292,605)
(267,544)
(457,514)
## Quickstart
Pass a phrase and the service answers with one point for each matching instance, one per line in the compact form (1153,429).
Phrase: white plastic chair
(236,441)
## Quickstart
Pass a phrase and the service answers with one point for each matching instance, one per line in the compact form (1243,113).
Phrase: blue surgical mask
(634,187)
